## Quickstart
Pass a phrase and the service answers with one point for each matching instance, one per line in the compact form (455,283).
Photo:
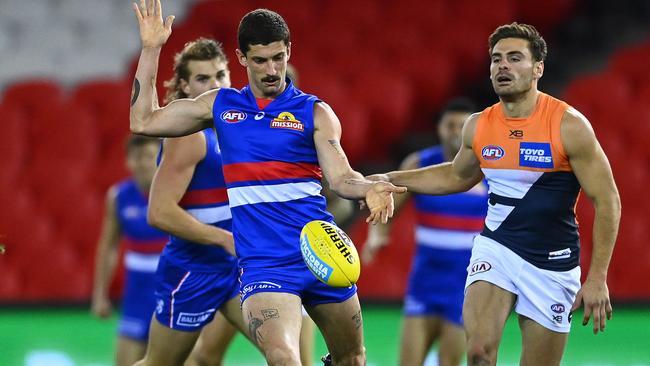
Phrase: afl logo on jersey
(233,116)
(492,152)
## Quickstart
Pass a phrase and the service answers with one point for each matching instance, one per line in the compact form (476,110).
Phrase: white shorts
(542,295)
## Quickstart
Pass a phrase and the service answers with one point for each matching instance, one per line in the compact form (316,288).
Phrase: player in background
(125,220)
(537,153)
(342,210)
(274,141)
(444,235)
(197,289)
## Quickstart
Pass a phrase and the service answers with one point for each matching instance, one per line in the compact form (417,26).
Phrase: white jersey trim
(272,193)
(511,183)
(444,239)
(134,261)
(211,215)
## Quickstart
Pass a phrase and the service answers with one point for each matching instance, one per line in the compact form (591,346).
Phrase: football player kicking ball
(274,141)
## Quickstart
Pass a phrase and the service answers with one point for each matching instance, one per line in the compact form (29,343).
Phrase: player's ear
(538,69)
(185,87)
(241,57)
(289,51)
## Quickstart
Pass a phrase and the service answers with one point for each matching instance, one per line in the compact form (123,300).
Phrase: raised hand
(379,199)
(153,31)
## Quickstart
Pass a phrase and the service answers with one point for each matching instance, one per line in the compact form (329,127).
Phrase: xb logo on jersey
(492,152)
(233,116)
(287,120)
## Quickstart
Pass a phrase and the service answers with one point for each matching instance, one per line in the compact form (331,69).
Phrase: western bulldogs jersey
(271,172)
(205,199)
(533,190)
(450,221)
(143,243)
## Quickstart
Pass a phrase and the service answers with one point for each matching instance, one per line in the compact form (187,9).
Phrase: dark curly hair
(536,43)
(262,26)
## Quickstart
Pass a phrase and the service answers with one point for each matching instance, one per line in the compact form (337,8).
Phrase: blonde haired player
(536,152)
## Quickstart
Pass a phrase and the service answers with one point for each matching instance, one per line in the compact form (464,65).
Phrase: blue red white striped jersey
(449,221)
(143,243)
(205,199)
(272,173)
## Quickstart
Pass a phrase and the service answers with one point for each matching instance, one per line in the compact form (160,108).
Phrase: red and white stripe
(270,170)
(444,239)
(249,195)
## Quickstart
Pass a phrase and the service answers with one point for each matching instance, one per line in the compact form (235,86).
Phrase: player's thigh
(273,320)
(540,346)
(485,311)
(231,311)
(452,344)
(341,325)
(168,346)
(307,340)
(129,351)
(418,334)
(213,342)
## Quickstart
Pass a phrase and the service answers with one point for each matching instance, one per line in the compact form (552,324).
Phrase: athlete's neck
(520,106)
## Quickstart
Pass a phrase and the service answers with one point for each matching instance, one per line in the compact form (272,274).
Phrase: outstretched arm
(180,156)
(106,258)
(343,180)
(378,235)
(181,117)
(459,175)
(591,167)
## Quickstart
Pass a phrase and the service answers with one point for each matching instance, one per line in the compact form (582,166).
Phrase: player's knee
(282,356)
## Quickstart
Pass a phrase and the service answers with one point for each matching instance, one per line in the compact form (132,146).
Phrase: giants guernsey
(143,243)
(533,190)
(450,221)
(205,199)
(271,171)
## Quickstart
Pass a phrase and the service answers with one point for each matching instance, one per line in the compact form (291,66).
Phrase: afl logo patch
(479,267)
(492,152)
(557,308)
(233,116)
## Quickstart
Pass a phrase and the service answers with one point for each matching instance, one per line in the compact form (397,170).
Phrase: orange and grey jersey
(533,190)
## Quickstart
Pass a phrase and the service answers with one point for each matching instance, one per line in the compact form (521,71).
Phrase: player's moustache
(270,79)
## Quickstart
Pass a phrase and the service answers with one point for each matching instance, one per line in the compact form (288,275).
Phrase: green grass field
(71,337)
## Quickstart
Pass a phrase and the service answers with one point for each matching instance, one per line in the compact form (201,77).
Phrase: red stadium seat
(30,97)
(13,146)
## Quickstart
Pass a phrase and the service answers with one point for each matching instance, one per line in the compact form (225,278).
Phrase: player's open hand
(101,307)
(372,246)
(379,200)
(153,31)
(595,296)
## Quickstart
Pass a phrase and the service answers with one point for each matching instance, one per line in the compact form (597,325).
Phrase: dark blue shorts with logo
(187,300)
(294,279)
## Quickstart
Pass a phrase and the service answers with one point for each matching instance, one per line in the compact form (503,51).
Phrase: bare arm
(106,257)
(378,235)
(180,156)
(591,167)
(181,117)
(460,175)
(336,168)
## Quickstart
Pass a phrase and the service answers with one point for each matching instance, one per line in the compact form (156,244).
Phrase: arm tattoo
(337,146)
(357,319)
(135,92)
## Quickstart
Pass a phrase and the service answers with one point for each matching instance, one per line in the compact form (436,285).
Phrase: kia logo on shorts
(233,116)
(557,308)
(479,267)
(492,152)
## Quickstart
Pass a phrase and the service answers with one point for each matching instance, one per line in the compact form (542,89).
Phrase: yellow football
(330,254)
